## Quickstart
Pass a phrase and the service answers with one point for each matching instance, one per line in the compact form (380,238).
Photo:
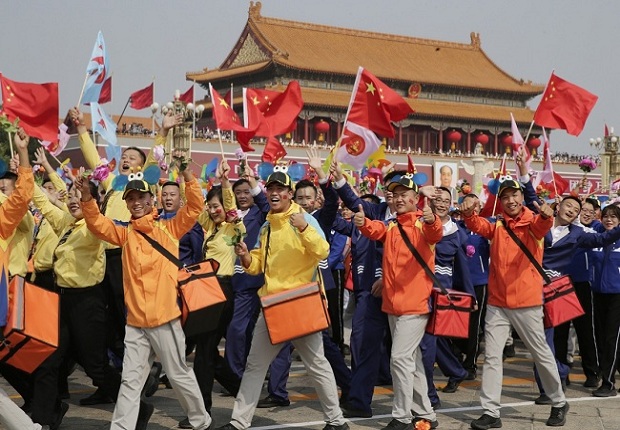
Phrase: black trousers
(115,300)
(335,298)
(82,337)
(471,346)
(209,365)
(606,311)
(584,327)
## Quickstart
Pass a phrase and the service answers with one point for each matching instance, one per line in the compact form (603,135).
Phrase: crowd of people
(105,254)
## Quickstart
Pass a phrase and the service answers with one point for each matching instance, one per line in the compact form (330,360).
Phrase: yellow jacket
(292,257)
(21,243)
(149,278)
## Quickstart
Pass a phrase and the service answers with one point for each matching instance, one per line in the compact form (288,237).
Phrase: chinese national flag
(410,165)
(272,113)
(226,119)
(565,106)
(106,91)
(188,96)
(375,105)
(36,106)
(143,98)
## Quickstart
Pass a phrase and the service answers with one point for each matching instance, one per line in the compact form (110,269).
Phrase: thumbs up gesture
(427,213)
(359,218)
(298,220)
(545,210)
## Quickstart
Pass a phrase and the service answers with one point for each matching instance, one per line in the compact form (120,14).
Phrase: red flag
(188,96)
(142,99)
(226,119)
(564,105)
(410,166)
(106,91)
(490,206)
(375,105)
(36,106)
(606,131)
(271,113)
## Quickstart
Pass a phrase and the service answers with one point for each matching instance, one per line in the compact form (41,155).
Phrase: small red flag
(375,105)
(410,166)
(565,106)
(188,96)
(106,91)
(226,119)
(142,99)
(36,106)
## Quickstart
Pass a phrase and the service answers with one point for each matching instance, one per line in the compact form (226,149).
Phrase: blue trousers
(439,349)
(369,330)
(239,333)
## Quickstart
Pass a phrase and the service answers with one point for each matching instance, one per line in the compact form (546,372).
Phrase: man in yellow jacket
(150,281)
(291,244)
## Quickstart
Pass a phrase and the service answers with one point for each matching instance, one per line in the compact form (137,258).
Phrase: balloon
(264,169)
(151,174)
(493,186)
(296,171)
(420,178)
(3,167)
(209,170)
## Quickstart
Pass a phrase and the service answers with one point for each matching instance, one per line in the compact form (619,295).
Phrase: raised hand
(241,249)
(469,206)
(430,191)
(314,161)
(387,169)
(77,116)
(81,184)
(298,220)
(170,120)
(21,144)
(427,213)
(359,218)
(336,171)
(544,210)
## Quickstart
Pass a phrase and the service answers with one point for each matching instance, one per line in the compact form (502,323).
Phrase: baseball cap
(405,181)
(138,185)
(280,178)
(509,184)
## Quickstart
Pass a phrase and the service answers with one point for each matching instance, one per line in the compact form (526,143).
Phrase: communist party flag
(36,106)
(272,113)
(143,98)
(188,96)
(226,119)
(565,106)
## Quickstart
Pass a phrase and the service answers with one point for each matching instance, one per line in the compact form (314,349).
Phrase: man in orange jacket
(406,292)
(150,281)
(515,298)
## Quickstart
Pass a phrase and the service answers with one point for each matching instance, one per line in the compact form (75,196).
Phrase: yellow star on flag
(255,101)
(223,103)
(370,88)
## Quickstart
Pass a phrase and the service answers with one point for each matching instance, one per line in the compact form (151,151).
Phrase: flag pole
(11,144)
(232,133)
(82,92)
(528,133)
(496,196)
(194,115)
(351,100)
(123,112)
(219,136)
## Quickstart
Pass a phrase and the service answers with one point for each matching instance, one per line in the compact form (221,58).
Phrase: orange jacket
(406,287)
(513,280)
(149,278)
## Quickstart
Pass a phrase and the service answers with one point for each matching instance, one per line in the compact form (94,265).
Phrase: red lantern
(322,128)
(482,138)
(534,142)
(454,136)
(507,139)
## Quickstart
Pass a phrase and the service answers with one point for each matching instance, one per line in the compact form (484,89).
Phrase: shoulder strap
(527,252)
(420,260)
(163,251)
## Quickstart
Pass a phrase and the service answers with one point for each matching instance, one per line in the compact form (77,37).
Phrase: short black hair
(305,183)
(138,150)
(446,190)
(578,200)
(10,176)
(215,192)
(173,183)
(388,178)
(240,182)
(596,203)
(611,208)
(374,199)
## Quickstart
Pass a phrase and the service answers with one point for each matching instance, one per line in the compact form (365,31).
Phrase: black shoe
(344,426)
(452,386)
(433,424)
(486,422)
(436,405)
(228,426)
(509,351)
(471,375)
(61,414)
(604,392)
(272,402)
(398,425)
(164,380)
(591,382)
(350,412)
(144,415)
(97,398)
(184,424)
(543,399)
(558,416)
(152,382)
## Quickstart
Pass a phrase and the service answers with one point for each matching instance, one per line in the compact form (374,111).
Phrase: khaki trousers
(12,417)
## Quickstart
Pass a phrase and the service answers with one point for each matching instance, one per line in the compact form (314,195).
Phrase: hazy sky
(43,41)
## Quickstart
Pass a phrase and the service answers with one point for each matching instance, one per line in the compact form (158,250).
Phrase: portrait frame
(438,166)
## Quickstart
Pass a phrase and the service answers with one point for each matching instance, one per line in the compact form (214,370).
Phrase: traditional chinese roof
(271,42)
